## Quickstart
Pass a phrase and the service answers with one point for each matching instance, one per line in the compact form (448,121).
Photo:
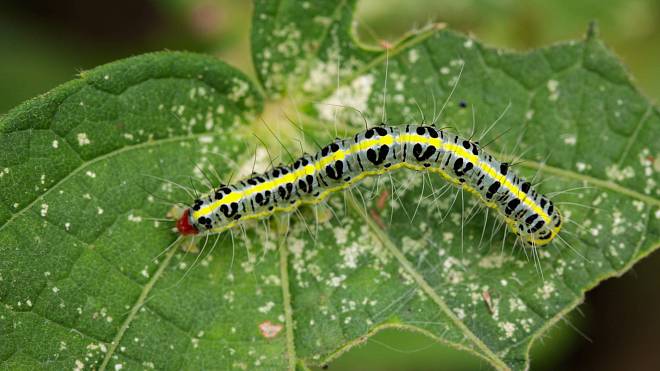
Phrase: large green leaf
(86,166)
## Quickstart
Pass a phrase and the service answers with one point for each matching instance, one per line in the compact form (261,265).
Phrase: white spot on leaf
(83,139)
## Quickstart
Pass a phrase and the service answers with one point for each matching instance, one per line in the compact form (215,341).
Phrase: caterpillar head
(184,224)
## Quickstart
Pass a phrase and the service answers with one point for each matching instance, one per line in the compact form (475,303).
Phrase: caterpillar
(378,150)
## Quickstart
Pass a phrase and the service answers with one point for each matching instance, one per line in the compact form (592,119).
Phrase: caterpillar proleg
(378,150)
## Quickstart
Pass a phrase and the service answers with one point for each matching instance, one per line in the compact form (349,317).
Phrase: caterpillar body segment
(377,150)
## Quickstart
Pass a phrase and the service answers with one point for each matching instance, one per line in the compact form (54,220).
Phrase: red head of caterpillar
(377,150)
(184,226)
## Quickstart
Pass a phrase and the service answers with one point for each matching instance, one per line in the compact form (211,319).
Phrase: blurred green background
(45,43)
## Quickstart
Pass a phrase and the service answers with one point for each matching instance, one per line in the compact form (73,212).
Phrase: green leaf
(77,278)
(85,166)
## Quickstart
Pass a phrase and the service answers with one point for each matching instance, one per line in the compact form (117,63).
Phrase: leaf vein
(136,307)
(484,351)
